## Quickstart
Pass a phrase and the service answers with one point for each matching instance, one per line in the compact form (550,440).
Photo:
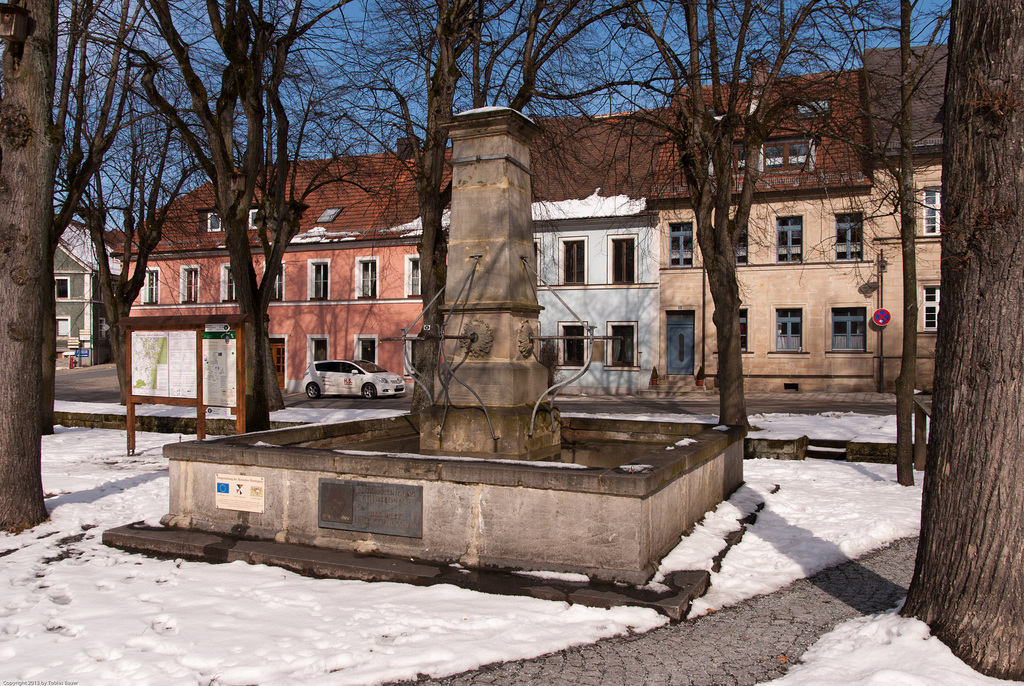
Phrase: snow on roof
(594,206)
(78,243)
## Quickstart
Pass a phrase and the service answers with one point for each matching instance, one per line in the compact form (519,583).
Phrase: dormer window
(788,155)
(328,215)
(814,108)
(213,222)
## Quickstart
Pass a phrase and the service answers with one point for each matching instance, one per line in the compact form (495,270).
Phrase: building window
(623,260)
(572,348)
(278,291)
(536,260)
(814,108)
(680,244)
(741,248)
(849,328)
(366,349)
(931,308)
(227,284)
(739,157)
(413,282)
(789,327)
(788,155)
(190,284)
(63,326)
(252,219)
(151,289)
(790,238)
(318,349)
(622,346)
(849,237)
(575,262)
(213,222)
(743,331)
(62,287)
(366,279)
(319,280)
(932,210)
(328,215)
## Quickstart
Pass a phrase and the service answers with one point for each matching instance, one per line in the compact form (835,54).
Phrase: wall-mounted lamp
(13,23)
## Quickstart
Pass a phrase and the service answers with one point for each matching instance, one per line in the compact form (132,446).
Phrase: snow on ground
(74,610)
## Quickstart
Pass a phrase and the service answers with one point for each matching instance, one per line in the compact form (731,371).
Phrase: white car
(345,377)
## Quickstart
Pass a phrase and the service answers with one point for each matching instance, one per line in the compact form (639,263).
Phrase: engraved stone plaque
(373,507)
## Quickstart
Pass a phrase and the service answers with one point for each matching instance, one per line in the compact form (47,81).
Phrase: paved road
(751,642)
(99,385)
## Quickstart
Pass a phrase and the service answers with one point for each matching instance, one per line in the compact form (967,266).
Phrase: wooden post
(129,403)
(200,407)
(240,380)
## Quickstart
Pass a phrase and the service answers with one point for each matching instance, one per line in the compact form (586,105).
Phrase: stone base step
(826,449)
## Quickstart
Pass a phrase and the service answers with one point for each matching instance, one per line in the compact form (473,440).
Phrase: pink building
(350,277)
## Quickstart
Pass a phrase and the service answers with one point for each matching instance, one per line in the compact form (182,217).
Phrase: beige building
(821,257)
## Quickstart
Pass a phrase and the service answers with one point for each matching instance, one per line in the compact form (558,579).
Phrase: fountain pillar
(494,362)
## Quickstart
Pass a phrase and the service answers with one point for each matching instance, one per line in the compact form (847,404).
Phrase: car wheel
(313,389)
(369,391)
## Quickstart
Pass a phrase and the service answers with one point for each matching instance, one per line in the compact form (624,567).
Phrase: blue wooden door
(679,344)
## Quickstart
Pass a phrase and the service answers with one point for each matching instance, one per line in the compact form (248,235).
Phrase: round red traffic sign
(881,317)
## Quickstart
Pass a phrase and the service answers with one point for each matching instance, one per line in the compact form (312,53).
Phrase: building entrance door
(679,343)
(277,353)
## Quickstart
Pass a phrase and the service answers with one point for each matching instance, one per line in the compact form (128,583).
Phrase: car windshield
(370,366)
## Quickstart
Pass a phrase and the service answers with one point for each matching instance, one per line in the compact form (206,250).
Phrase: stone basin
(619,499)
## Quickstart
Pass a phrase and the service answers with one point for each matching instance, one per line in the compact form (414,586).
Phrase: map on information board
(164,364)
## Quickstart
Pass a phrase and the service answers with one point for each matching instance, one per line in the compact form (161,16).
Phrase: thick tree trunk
(27,156)
(732,407)
(434,271)
(969,577)
(262,396)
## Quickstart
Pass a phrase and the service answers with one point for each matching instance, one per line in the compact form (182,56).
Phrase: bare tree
(722,76)
(513,53)
(236,68)
(969,573)
(904,94)
(142,175)
(92,93)
(27,158)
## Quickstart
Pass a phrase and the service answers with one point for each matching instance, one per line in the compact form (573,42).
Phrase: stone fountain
(489,402)
(482,479)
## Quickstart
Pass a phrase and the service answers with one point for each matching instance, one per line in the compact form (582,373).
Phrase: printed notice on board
(164,364)
(219,368)
(242,493)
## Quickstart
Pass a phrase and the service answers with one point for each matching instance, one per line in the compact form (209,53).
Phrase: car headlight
(380,379)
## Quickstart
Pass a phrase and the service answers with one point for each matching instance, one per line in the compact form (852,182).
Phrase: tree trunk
(724,287)
(118,343)
(27,156)
(906,382)
(969,577)
(48,369)
(434,271)
(262,387)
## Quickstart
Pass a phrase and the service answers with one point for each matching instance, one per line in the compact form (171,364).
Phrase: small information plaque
(373,507)
(242,493)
